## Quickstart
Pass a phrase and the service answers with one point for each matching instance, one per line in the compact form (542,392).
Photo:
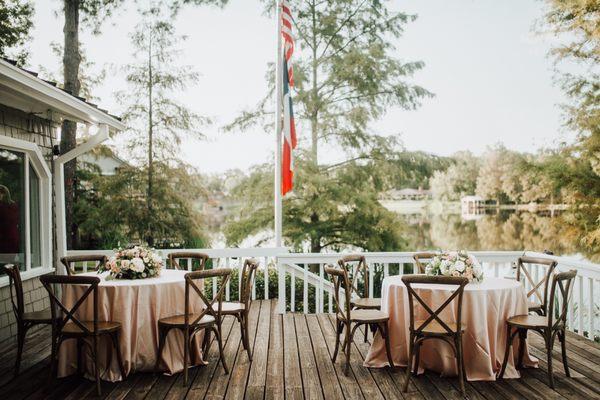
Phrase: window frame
(34,159)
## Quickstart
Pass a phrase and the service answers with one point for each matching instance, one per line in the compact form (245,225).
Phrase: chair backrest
(68,262)
(539,288)
(421,259)
(340,279)
(191,255)
(63,314)
(560,294)
(247,281)
(190,283)
(360,269)
(434,315)
(14,282)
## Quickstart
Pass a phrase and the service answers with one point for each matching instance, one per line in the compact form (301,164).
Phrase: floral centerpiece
(137,262)
(455,263)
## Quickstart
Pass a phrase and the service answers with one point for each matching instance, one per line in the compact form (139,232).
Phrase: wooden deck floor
(292,361)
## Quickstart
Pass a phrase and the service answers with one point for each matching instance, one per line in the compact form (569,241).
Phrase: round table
(138,305)
(486,307)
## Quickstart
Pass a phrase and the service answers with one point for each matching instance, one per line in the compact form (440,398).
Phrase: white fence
(303,287)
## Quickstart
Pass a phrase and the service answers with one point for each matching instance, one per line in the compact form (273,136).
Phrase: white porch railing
(306,271)
(303,287)
(220,258)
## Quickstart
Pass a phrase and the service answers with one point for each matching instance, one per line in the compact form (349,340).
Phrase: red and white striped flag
(289,127)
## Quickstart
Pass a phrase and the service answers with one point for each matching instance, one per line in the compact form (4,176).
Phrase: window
(25,207)
(12,208)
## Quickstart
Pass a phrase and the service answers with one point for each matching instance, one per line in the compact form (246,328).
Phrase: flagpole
(278,127)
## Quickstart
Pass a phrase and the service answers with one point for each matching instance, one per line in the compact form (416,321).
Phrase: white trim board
(22,83)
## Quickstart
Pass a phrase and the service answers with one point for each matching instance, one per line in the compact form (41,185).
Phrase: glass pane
(34,215)
(12,208)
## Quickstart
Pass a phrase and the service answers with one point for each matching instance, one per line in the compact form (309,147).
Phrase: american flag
(289,128)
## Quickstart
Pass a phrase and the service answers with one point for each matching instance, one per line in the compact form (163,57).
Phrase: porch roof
(24,90)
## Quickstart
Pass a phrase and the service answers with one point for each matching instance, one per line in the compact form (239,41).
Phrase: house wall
(20,125)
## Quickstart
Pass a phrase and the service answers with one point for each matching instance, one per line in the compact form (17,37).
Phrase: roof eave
(58,100)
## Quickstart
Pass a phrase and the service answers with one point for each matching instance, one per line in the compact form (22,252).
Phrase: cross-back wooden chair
(538,288)
(191,255)
(350,319)
(25,320)
(67,325)
(421,259)
(549,326)
(190,323)
(434,327)
(69,262)
(363,301)
(241,309)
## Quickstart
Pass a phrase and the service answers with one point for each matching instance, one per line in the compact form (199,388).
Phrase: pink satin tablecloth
(486,307)
(137,305)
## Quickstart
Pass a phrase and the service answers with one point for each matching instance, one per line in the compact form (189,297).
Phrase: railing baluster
(371,278)
(305,297)
(580,304)
(228,286)
(214,280)
(320,308)
(591,309)
(266,267)
(293,291)
(386,270)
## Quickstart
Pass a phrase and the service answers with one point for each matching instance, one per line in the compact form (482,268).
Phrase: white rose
(137,265)
(459,266)
(444,267)
(125,264)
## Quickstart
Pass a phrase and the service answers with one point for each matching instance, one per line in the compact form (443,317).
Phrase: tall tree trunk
(314,115)
(71,61)
(150,238)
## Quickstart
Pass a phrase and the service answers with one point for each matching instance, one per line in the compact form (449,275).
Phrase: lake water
(503,230)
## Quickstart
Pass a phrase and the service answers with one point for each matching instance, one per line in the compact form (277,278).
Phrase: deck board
(292,360)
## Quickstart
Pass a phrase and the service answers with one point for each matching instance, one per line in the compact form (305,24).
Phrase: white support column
(59,190)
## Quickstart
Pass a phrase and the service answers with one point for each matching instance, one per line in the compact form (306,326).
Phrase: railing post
(281,286)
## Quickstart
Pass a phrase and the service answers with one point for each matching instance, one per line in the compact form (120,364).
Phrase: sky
(489,70)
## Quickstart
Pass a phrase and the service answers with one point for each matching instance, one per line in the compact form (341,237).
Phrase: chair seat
(528,321)
(232,307)
(38,317)
(179,320)
(103,327)
(370,316)
(435,328)
(366,304)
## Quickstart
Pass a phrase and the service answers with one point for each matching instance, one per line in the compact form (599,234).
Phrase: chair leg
(79,357)
(522,346)
(349,338)
(563,347)
(247,337)
(186,350)
(460,364)
(219,338)
(338,331)
(417,353)
(161,343)
(115,338)
(96,355)
(509,339)
(384,332)
(21,332)
(409,363)
(549,339)
(366,332)
(206,343)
